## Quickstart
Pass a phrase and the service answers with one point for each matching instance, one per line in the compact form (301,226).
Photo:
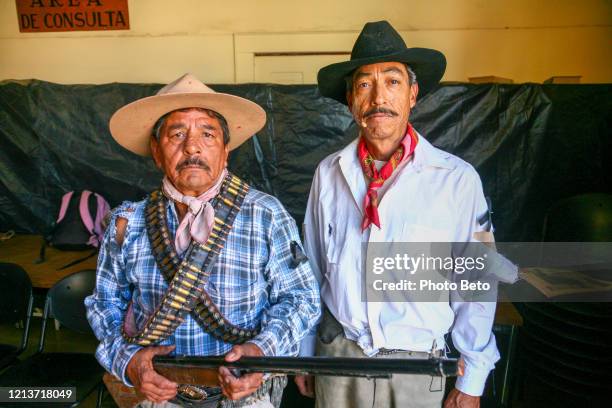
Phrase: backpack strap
(46,237)
(64,207)
(86,217)
(93,226)
(41,253)
(77,261)
(103,209)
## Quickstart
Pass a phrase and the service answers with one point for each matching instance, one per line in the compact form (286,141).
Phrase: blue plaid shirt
(253,282)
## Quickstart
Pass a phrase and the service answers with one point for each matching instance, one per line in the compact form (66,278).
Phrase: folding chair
(565,345)
(15,308)
(62,369)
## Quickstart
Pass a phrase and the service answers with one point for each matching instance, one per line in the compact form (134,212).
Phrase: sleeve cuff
(124,355)
(266,341)
(307,346)
(473,381)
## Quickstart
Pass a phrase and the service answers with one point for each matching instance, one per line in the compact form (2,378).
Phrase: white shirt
(435,197)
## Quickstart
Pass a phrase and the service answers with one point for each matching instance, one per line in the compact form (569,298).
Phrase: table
(507,315)
(24,249)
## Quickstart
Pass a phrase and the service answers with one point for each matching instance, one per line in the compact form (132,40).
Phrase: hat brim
(132,125)
(428,65)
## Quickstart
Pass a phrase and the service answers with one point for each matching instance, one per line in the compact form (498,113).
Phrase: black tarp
(532,145)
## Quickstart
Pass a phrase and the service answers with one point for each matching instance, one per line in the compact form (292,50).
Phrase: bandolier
(187,280)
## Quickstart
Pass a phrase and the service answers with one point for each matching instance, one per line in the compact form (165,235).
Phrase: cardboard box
(565,79)
(490,79)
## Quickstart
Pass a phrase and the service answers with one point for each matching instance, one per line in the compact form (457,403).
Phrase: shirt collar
(426,155)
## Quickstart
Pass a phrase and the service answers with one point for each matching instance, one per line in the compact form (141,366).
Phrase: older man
(205,265)
(391,185)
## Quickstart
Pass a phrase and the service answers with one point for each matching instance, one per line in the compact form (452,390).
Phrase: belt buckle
(196,396)
(192,393)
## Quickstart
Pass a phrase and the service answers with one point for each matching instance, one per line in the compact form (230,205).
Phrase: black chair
(62,369)
(15,308)
(566,346)
(583,218)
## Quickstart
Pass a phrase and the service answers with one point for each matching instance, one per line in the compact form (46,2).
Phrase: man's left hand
(233,387)
(457,399)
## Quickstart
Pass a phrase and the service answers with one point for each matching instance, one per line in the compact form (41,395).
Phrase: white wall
(526,40)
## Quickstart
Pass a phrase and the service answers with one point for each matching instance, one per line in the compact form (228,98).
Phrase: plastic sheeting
(532,145)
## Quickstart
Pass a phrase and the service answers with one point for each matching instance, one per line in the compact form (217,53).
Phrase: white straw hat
(132,125)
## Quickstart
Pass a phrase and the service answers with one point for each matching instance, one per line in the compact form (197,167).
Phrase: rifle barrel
(334,366)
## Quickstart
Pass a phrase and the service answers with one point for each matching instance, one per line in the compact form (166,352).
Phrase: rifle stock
(206,376)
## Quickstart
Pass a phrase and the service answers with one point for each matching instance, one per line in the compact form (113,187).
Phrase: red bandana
(377,178)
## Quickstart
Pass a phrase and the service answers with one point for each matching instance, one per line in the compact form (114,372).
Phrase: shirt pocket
(341,251)
(330,251)
(337,235)
(233,284)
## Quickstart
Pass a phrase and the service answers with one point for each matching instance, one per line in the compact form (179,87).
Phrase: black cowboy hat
(379,42)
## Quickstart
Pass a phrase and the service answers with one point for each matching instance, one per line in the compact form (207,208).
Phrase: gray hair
(412,79)
(224,127)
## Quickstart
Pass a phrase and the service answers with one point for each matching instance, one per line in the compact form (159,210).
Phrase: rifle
(203,370)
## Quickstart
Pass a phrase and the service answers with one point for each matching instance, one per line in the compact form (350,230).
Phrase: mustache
(193,161)
(374,111)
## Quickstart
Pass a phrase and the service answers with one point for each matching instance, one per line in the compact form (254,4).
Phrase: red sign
(37,16)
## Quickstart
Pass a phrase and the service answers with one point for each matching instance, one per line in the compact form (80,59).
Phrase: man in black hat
(391,185)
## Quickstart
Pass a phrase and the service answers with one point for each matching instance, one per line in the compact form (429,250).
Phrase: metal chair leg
(101,389)
(508,377)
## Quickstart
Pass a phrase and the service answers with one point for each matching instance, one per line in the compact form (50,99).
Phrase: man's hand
(457,399)
(235,388)
(141,373)
(305,384)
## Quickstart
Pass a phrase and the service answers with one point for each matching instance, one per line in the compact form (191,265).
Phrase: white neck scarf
(200,215)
